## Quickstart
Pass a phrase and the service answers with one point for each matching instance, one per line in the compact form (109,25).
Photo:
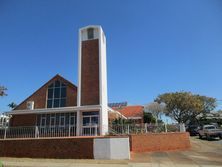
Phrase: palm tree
(12,105)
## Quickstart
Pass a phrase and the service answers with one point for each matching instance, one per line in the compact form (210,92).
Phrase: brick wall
(159,142)
(23,120)
(90,72)
(39,97)
(76,148)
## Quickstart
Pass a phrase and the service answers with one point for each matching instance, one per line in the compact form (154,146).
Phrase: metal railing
(142,128)
(92,130)
(37,132)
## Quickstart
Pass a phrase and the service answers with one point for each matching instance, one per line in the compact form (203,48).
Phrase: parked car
(193,130)
(209,131)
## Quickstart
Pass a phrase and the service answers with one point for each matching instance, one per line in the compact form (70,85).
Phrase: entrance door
(90,124)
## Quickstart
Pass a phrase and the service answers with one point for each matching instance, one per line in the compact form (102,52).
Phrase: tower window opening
(90,33)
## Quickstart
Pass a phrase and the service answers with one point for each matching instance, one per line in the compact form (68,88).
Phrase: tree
(12,105)
(182,106)
(209,103)
(156,109)
(3,91)
(148,118)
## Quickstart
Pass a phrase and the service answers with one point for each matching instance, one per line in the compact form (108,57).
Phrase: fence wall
(159,142)
(88,147)
(75,148)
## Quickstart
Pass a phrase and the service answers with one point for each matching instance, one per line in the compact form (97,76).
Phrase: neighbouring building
(133,113)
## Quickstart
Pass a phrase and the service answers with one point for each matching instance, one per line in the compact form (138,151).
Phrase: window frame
(43,117)
(52,117)
(53,87)
(60,117)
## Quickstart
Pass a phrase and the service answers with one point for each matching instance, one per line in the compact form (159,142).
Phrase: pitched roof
(57,76)
(131,111)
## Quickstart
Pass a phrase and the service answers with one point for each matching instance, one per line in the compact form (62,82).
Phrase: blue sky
(153,47)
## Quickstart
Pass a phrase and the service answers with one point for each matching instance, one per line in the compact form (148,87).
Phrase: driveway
(202,154)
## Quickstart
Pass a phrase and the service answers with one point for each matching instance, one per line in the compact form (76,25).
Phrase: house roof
(131,111)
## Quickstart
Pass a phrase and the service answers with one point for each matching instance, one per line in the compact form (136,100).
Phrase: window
(90,124)
(72,120)
(43,121)
(52,120)
(62,121)
(56,95)
(90,33)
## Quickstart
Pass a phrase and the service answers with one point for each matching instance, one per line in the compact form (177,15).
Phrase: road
(202,154)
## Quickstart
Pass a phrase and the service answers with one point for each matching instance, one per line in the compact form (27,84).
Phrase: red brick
(76,148)
(159,142)
(90,72)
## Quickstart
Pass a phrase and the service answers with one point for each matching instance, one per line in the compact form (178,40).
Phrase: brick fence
(75,148)
(159,142)
(83,147)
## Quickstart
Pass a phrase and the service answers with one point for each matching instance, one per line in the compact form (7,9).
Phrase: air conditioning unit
(30,105)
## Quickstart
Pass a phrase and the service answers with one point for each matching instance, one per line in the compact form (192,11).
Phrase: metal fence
(142,128)
(37,132)
(69,131)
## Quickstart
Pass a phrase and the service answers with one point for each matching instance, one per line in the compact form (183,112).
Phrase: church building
(82,110)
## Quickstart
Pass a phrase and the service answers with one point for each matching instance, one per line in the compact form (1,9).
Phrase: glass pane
(57,119)
(38,120)
(57,83)
(56,103)
(57,93)
(67,119)
(94,120)
(63,92)
(52,123)
(63,85)
(49,103)
(62,102)
(50,93)
(86,121)
(43,121)
(47,119)
(62,121)
(72,120)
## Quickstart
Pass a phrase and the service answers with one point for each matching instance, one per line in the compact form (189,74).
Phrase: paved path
(202,154)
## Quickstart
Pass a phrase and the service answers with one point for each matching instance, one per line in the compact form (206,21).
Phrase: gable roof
(131,111)
(56,77)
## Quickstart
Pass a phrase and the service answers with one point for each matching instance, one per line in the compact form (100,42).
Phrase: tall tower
(92,75)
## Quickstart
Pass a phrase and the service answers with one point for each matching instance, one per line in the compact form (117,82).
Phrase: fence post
(165,127)
(96,130)
(36,132)
(146,127)
(69,130)
(5,133)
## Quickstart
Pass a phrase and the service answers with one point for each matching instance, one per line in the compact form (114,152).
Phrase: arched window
(56,96)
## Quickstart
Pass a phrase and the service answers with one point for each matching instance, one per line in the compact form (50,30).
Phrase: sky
(153,46)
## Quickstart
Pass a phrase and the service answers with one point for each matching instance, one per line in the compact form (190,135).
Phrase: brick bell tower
(92,75)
